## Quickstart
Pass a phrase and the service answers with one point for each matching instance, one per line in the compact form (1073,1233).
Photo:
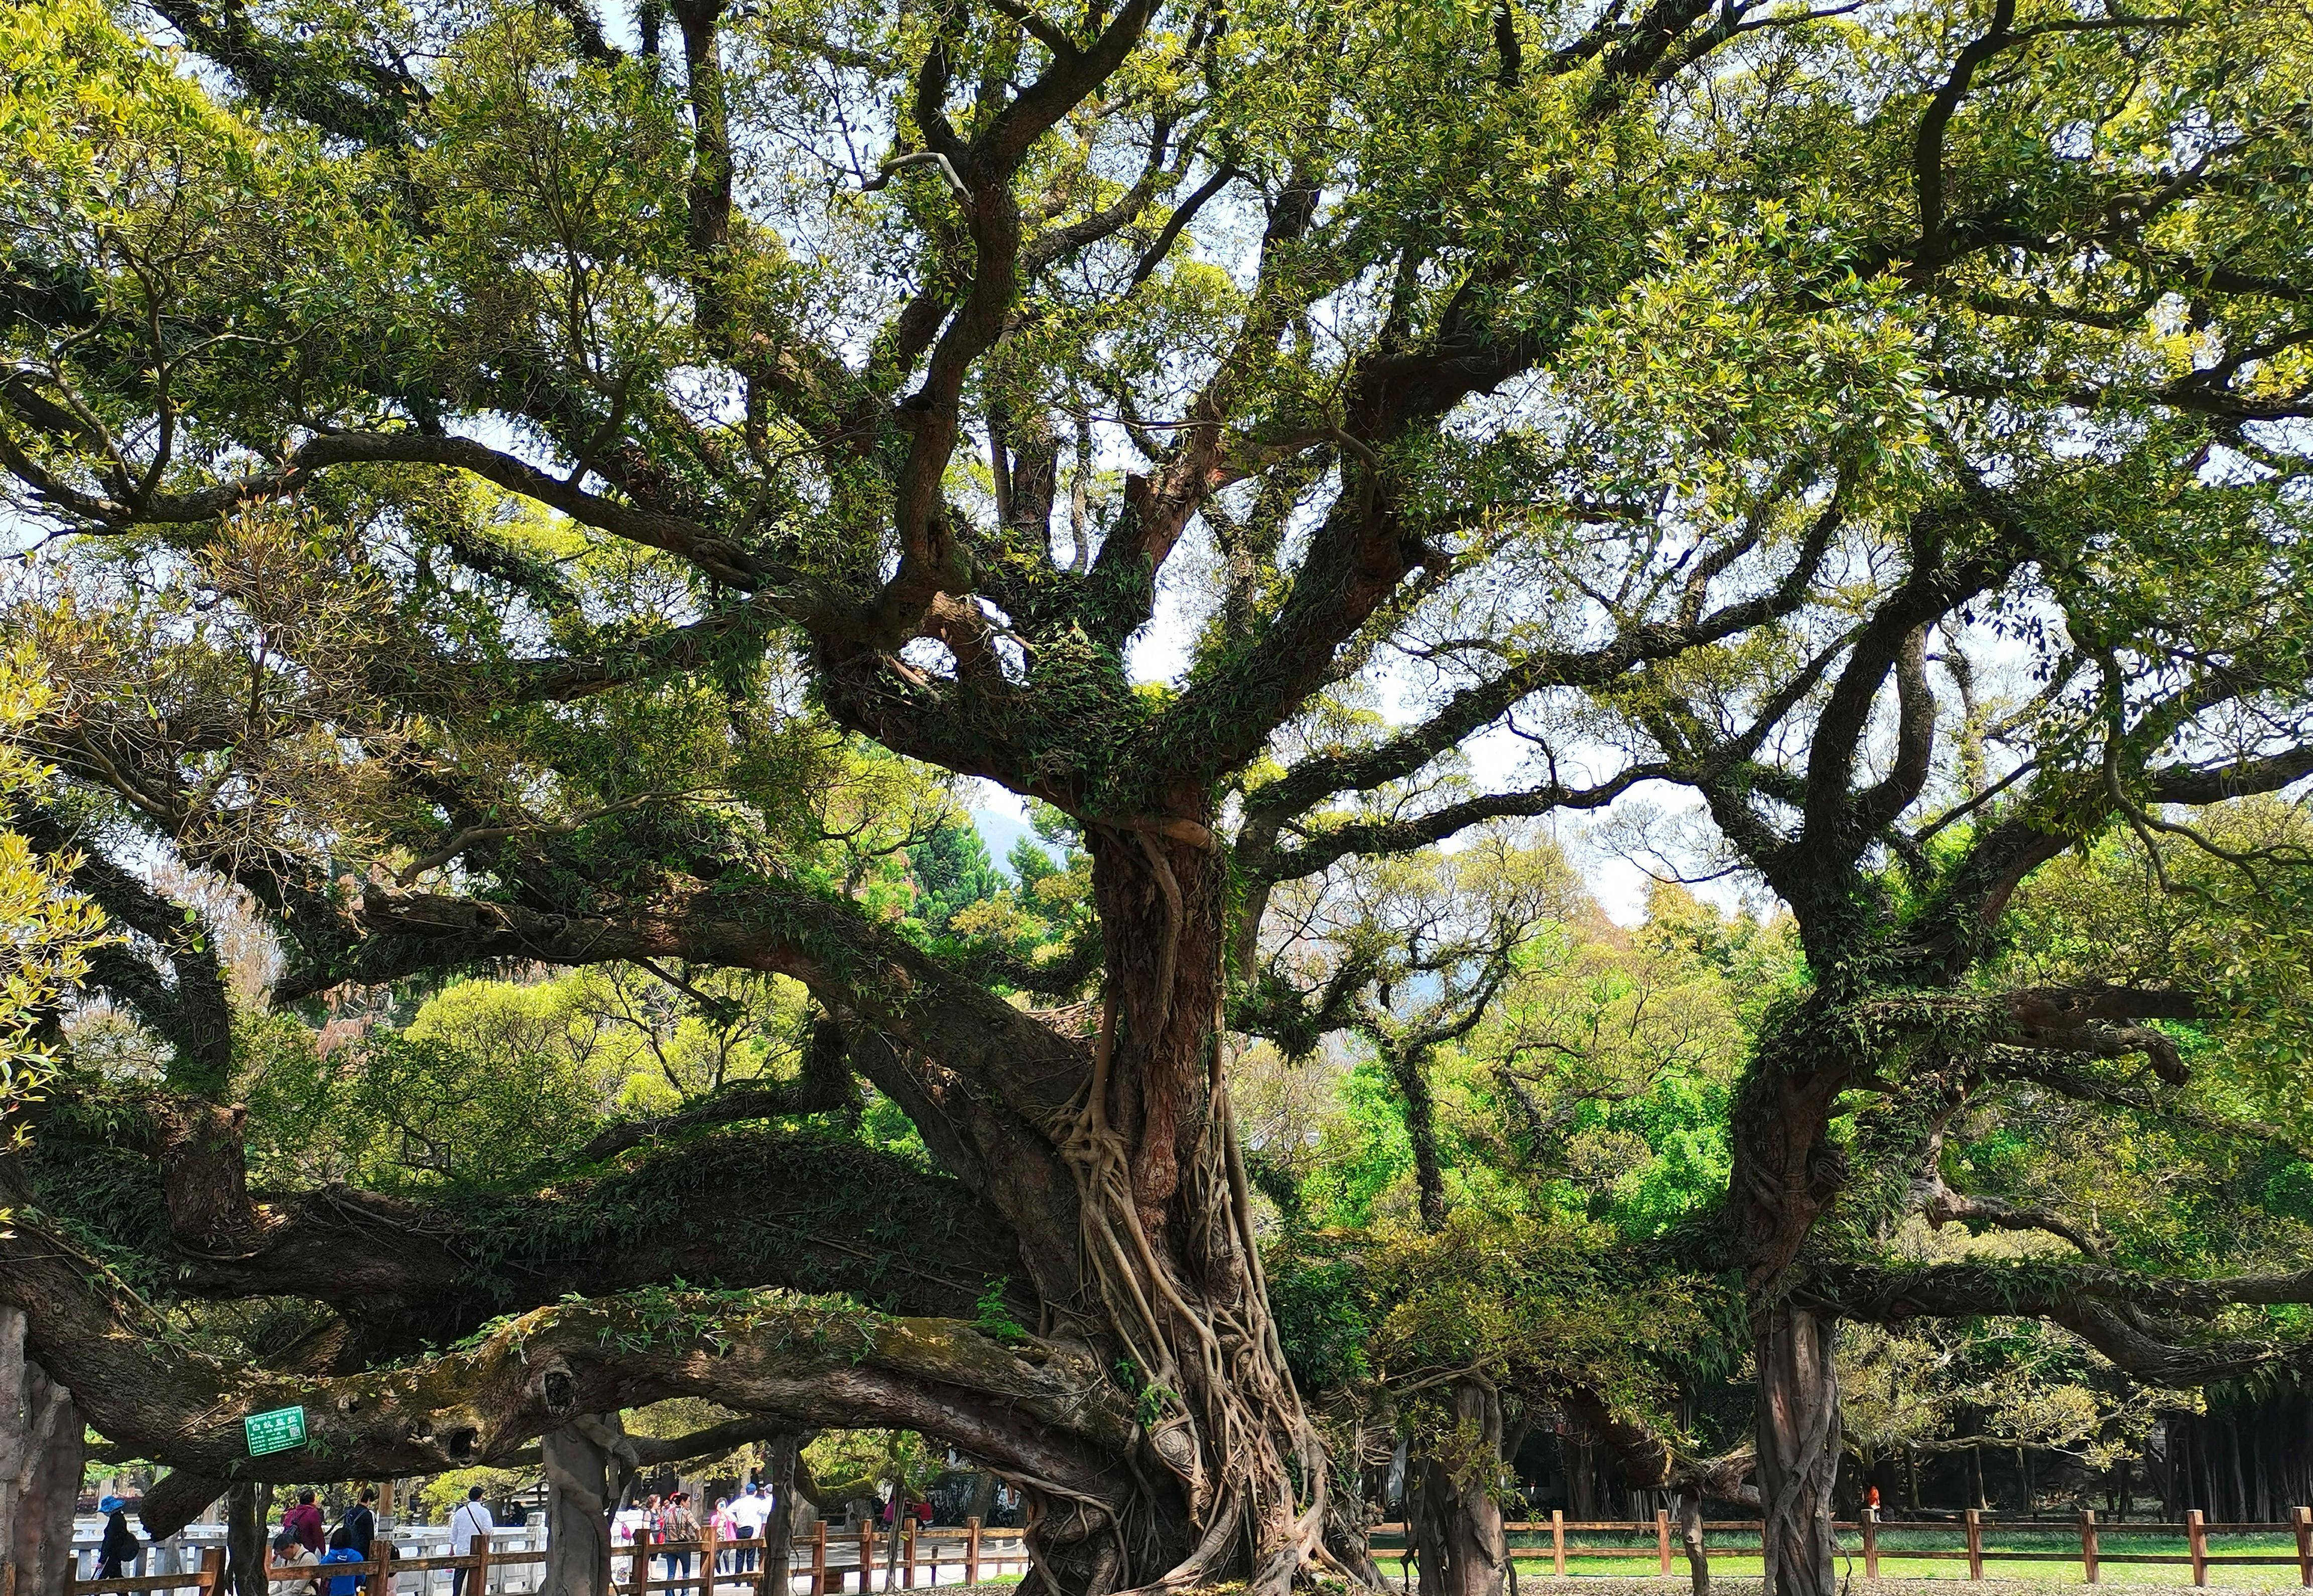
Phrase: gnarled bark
(779,1530)
(1167,1249)
(1799,1448)
(41,1449)
(1453,1514)
(584,1477)
(1034,1408)
(248,1506)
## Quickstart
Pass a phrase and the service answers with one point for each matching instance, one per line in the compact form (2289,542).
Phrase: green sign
(280,1430)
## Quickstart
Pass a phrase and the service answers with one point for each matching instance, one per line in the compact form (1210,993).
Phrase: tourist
(116,1558)
(472,1523)
(677,1527)
(359,1526)
(304,1522)
(289,1552)
(726,1531)
(750,1512)
(341,1584)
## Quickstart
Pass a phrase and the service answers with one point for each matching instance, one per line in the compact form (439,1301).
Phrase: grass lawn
(1534,1561)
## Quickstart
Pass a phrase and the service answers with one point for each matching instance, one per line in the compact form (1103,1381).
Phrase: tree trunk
(1786,1170)
(1690,1537)
(1799,1449)
(1167,1257)
(1455,1517)
(41,1443)
(1581,1478)
(2242,1512)
(983,1497)
(778,1529)
(247,1506)
(2212,1498)
(1349,1536)
(584,1475)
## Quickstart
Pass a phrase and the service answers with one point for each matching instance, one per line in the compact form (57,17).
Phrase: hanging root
(1197,1370)
(1217,1406)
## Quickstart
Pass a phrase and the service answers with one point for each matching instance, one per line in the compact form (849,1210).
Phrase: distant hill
(999,832)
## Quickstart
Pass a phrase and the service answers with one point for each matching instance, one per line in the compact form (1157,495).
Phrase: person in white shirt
(470,1522)
(750,1513)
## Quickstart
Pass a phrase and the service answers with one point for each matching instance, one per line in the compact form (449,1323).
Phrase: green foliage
(47,931)
(952,872)
(438,1495)
(1324,1328)
(993,1317)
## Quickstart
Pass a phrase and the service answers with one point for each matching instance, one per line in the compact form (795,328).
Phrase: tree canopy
(530,491)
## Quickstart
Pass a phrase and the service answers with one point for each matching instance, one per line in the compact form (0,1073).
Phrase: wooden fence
(831,1563)
(828,1564)
(2090,1553)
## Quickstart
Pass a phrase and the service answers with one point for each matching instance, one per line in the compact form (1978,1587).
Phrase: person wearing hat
(117,1557)
(748,1514)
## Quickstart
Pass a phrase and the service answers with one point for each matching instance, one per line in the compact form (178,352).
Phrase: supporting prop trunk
(778,1529)
(1690,1537)
(1456,1519)
(584,1474)
(41,1443)
(1799,1448)
(248,1504)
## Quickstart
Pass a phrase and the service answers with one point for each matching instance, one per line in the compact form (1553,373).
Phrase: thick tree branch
(1039,1411)
(2108,1308)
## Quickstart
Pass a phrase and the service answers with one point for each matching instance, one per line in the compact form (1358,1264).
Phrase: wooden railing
(828,1562)
(2090,1553)
(828,1565)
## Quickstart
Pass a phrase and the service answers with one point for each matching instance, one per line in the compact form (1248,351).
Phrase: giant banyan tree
(491,472)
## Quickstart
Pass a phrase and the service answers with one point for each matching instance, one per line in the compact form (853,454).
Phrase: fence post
(2197,1539)
(1662,1538)
(708,1552)
(866,1555)
(2304,1517)
(1870,1542)
(213,1570)
(908,1554)
(1975,1544)
(641,1573)
(818,1558)
(2088,1544)
(1557,1540)
(483,1547)
(971,1551)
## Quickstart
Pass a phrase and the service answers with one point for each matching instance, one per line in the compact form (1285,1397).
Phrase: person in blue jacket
(342,1584)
